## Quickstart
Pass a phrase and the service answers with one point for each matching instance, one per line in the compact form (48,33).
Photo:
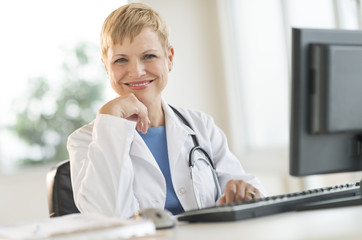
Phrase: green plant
(51,110)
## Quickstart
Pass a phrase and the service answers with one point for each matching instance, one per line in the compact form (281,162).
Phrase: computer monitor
(326,101)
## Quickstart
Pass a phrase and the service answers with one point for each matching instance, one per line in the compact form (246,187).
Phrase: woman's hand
(239,190)
(128,107)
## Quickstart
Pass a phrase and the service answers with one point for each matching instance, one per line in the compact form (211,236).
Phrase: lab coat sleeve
(101,168)
(227,164)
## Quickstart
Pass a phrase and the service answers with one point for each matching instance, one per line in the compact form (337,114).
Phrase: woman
(135,154)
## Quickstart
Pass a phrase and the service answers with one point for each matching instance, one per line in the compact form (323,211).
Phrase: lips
(139,84)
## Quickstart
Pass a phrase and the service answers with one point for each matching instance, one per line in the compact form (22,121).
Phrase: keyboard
(274,204)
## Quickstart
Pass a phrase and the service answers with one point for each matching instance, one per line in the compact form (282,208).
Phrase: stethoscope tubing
(192,160)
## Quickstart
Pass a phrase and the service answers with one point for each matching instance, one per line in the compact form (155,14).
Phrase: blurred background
(232,61)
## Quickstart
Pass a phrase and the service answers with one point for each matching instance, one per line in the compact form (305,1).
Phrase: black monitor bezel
(312,154)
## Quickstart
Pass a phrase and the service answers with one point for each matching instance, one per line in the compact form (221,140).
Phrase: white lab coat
(114,173)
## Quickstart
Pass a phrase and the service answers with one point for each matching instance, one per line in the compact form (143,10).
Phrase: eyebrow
(119,55)
(150,50)
(125,55)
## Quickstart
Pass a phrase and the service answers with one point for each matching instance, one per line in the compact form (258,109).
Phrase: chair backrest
(60,192)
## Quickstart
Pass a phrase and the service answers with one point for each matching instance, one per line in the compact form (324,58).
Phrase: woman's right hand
(128,107)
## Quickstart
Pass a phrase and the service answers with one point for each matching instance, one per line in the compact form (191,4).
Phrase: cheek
(116,75)
(113,83)
(159,68)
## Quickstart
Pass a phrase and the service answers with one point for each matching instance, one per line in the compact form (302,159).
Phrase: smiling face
(140,67)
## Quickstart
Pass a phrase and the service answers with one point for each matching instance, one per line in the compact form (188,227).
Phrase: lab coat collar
(173,121)
(140,150)
(176,133)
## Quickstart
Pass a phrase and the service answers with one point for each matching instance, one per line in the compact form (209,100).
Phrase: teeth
(139,84)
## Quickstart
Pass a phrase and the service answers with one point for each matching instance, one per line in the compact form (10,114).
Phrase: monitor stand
(334,203)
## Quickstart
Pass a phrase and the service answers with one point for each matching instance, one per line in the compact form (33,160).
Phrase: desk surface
(332,224)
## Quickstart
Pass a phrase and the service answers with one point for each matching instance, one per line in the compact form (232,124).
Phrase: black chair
(60,192)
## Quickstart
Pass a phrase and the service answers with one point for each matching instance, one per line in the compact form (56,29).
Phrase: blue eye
(149,56)
(120,60)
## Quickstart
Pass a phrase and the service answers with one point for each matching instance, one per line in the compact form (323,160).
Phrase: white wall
(23,195)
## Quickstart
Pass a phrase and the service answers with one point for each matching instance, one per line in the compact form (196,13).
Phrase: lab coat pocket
(204,185)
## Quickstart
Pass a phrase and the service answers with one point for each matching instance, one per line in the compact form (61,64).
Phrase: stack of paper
(78,226)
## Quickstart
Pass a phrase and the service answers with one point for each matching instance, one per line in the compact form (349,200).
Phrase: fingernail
(144,128)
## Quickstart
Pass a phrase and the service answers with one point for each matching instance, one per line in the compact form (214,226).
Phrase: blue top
(156,141)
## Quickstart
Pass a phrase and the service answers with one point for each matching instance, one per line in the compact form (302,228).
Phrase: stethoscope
(192,160)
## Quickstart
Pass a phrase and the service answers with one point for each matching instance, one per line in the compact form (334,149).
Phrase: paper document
(78,226)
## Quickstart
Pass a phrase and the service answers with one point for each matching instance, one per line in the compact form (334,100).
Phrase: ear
(170,55)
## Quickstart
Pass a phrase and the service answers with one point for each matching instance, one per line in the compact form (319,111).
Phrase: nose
(136,69)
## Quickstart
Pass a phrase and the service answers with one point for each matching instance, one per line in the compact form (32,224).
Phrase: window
(52,75)
(263,39)
(263,72)
(260,31)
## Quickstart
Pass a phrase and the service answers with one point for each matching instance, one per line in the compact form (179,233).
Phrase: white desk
(332,224)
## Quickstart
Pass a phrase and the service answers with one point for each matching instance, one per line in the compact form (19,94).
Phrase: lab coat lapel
(139,149)
(176,133)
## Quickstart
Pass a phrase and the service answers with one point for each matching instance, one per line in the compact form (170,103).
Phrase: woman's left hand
(239,190)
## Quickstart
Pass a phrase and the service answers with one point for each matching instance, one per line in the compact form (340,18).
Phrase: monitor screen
(326,107)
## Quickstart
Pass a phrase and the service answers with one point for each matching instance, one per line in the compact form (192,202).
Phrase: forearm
(102,173)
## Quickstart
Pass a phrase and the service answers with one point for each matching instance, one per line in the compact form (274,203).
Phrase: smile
(139,84)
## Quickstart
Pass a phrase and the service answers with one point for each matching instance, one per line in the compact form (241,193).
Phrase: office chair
(60,192)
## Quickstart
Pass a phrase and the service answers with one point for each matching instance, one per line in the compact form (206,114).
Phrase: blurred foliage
(51,110)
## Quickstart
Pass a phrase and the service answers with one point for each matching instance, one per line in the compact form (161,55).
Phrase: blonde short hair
(128,21)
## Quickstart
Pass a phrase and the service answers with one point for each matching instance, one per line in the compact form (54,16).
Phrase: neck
(156,115)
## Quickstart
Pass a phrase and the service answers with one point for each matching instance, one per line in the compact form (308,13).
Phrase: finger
(257,193)
(130,108)
(143,125)
(251,193)
(142,120)
(222,200)
(240,190)
(230,191)
(137,111)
